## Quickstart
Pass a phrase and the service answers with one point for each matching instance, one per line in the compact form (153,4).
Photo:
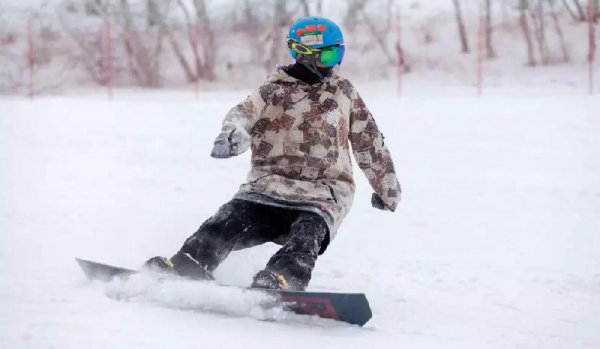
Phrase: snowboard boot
(159,264)
(269,280)
(181,264)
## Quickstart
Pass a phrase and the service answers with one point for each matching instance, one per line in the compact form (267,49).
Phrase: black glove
(230,143)
(377,202)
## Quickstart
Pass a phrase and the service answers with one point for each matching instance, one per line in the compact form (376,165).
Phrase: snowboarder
(299,124)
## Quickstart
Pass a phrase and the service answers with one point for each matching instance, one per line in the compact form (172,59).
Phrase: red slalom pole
(480,50)
(30,53)
(591,45)
(108,66)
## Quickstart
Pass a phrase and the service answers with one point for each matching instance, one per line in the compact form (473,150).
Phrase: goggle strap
(301,48)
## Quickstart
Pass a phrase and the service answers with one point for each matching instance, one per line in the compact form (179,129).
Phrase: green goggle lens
(329,55)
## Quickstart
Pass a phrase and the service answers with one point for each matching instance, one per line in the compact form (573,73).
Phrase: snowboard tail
(352,308)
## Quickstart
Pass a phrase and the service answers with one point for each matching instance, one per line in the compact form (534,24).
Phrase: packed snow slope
(496,243)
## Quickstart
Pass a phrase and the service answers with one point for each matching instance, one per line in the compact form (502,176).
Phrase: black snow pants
(241,224)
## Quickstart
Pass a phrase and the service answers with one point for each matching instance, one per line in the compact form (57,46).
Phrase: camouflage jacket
(300,138)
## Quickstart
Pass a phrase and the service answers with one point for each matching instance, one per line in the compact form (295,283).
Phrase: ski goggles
(329,56)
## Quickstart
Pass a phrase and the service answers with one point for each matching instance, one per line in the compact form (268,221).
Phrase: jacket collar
(279,75)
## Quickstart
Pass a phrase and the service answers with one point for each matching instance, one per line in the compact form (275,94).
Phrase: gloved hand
(230,143)
(377,202)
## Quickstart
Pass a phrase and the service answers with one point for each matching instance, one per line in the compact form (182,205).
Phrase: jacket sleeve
(371,154)
(245,113)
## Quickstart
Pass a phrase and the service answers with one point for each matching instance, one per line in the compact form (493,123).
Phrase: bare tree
(200,38)
(209,45)
(462,33)
(251,26)
(305,7)
(143,64)
(356,14)
(389,10)
(379,36)
(167,31)
(90,47)
(491,53)
(523,21)
(153,12)
(580,14)
(249,17)
(12,72)
(559,32)
(352,13)
(280,18)
(570,10)
(580,10)
(539,24)
(12,75)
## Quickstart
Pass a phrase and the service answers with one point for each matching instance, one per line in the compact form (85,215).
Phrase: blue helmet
(318,33)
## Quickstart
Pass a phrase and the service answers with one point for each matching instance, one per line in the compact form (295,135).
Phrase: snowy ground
(496,243)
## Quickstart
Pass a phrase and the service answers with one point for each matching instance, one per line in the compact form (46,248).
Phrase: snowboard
(352,308)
